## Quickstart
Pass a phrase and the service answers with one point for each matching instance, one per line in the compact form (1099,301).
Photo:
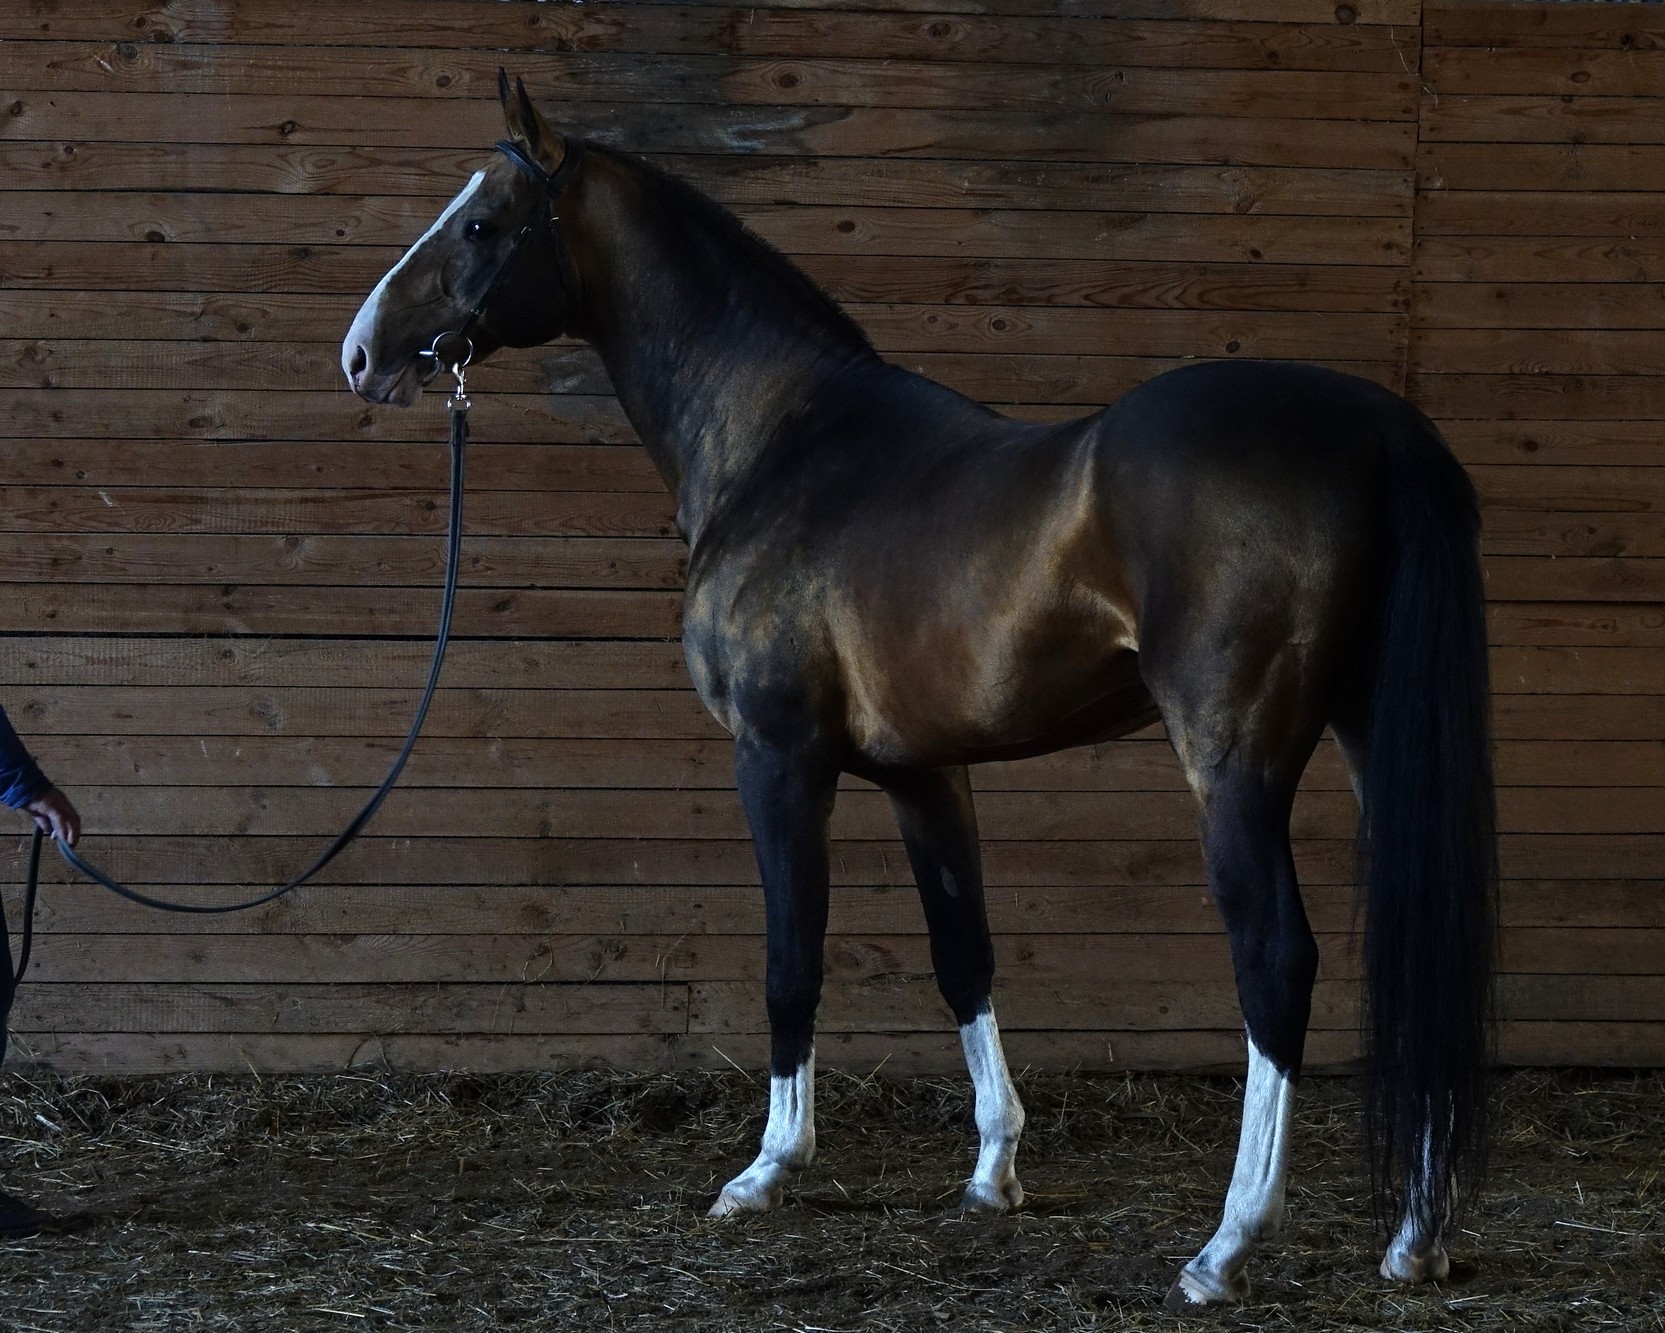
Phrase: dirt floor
(577,1200)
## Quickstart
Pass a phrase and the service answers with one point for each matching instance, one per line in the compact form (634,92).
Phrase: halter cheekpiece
(550,183)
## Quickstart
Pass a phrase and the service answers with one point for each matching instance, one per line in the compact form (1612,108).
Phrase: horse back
(943,584)
(897,569)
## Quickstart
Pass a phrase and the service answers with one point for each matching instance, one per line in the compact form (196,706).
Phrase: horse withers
(889,580)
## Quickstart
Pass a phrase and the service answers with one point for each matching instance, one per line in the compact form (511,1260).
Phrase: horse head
(492,269)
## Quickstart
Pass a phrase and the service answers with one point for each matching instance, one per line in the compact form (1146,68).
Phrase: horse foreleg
(788,797)
(939,828)
(1252,873)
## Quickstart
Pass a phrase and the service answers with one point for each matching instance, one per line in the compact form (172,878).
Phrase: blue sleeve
(21,780)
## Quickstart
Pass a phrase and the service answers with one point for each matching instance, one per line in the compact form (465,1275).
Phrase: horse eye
(479,231)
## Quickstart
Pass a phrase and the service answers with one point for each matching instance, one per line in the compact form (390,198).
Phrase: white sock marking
(1416,1254)
(788,1146)
(1254,1202)
(994,1184)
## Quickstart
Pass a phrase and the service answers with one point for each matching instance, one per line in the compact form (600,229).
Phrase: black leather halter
(550,184)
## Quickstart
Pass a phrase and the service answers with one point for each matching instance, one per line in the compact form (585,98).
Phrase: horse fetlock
(992,1196)
(1266,1227)
(791,1147)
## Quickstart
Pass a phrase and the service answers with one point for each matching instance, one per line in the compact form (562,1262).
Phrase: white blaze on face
(363,330)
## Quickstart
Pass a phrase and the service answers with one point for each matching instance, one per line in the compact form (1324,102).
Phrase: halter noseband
(550,183)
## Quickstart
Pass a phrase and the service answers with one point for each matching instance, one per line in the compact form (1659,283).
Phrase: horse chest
(750,646)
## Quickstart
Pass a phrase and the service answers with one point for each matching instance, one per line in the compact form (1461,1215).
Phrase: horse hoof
(991,1200)
(1196,1294)
(736,1199)
(1409,1268)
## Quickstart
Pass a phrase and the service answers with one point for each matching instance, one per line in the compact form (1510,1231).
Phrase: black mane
(748,262)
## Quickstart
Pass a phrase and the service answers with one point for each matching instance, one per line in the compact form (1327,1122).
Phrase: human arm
(24,787)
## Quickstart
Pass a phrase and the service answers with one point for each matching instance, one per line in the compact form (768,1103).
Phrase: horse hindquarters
(1428,850)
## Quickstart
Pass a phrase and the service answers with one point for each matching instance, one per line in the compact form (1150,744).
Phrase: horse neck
(708,350)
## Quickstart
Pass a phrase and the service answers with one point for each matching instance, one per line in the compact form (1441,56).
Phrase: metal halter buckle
(444,345)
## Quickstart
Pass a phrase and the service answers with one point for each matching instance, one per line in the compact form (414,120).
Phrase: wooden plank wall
(220,567)
(1538,344)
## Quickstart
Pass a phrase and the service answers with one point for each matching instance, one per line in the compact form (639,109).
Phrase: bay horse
(887,579)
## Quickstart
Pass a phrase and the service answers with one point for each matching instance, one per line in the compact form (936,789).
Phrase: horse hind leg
(1245,786)
(1251,872)
(939,829)
(788,798)
(1417,1251)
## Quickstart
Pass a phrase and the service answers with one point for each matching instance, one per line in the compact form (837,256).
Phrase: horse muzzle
(401,388)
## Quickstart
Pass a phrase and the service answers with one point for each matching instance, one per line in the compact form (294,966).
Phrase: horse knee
(966,981)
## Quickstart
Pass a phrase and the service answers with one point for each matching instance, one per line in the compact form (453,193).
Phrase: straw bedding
(576,1200)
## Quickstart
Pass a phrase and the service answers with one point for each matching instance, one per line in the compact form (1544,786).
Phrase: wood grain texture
(218,569)
(1540,189)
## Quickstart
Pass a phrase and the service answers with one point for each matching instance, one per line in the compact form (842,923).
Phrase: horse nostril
(360,362)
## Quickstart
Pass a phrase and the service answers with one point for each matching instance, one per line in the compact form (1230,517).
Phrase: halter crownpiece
(549,181)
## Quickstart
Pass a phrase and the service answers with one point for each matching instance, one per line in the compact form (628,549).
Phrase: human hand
(53,813)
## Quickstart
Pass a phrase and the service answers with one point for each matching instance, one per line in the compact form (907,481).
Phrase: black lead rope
(550,185)
(459,405)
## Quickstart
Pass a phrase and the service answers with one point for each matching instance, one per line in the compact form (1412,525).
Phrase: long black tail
(1428,839)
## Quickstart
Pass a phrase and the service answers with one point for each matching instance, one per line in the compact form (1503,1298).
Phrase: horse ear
(526,126)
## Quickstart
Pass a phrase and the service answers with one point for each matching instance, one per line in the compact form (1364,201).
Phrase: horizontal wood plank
(1629,213)
(53,661)
(1492,258)
(1594,308)
(839,131)
(1620,1045)
(895,330)
(1487,118)
(350,1007)
(95,290)
(649,815)
(228,57)
(1582,546)
(1618,70)
(216,75)
(1126,909)
(348,710)
(236,861)
(1533,396)
(1537,351)
(1521,166)
(1076,960)
(1527,24)
(136,1054)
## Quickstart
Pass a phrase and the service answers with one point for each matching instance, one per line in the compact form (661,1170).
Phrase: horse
(890,580)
